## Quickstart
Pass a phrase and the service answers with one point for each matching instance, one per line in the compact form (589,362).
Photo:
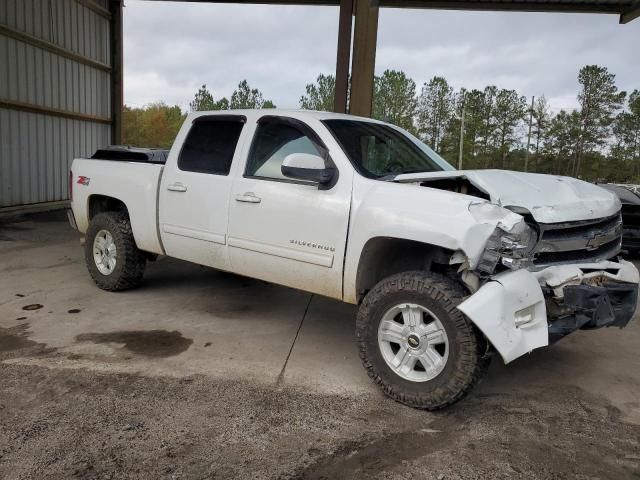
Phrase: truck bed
(133,182)
(124,153)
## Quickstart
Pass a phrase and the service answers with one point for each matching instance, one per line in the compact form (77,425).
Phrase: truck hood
(549,198)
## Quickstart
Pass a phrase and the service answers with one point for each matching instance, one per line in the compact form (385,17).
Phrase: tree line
(157,124)
(480,128)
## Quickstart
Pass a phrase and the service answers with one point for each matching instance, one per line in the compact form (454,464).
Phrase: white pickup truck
(446,266)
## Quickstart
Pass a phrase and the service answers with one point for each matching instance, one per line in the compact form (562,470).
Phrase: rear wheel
(113,259)
(416,344)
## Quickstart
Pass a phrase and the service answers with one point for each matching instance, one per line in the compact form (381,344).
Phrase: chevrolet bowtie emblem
(597,241)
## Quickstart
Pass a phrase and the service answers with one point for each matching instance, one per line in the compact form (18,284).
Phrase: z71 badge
(83,180)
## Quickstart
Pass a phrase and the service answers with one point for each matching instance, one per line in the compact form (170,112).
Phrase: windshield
(377,150)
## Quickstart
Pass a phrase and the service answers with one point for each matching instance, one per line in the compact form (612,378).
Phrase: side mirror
(307,167)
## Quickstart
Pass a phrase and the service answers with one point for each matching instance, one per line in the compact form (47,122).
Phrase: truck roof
(159,156)
(295,113)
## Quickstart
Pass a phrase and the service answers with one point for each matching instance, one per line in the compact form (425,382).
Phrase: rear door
(286,231)
(195,189)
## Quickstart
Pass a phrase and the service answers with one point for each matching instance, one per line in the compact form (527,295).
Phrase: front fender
(412,212)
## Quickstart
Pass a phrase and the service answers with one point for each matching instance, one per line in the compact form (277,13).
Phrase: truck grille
(578,242)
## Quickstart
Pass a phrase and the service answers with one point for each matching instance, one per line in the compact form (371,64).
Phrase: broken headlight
(512,248)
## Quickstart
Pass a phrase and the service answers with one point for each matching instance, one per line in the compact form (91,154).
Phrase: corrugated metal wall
(55,100)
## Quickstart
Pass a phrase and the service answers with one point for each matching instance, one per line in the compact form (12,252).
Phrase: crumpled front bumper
(521,310)
(590,306)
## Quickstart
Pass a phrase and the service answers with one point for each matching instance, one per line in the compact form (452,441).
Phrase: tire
(432,300)
(130,262)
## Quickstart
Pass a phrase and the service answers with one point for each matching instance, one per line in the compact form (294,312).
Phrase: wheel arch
(144,227)
(382,257)
(97,203)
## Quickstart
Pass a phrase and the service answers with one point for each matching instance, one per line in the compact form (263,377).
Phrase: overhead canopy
(366,31)
(627,9)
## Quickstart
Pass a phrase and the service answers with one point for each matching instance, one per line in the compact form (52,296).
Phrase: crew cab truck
(446,266)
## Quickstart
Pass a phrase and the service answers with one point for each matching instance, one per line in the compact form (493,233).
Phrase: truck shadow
(171,274)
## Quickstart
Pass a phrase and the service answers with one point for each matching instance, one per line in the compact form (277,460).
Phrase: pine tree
(599,99)
(435,107)
(394,99)
(320,95)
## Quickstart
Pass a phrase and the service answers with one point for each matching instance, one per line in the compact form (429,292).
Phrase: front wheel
(111,254)
(416,344)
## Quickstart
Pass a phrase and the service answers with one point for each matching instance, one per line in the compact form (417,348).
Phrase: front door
(285,231)
(195,189)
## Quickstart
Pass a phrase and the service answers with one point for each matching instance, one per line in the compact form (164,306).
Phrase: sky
(172,48)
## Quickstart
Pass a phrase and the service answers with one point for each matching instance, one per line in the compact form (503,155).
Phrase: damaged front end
(510,245)
(536,283)
(589,296)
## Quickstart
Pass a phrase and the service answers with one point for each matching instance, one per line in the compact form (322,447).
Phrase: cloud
(173,48)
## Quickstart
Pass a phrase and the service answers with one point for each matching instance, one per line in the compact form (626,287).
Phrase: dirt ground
(79,424)
(88,395)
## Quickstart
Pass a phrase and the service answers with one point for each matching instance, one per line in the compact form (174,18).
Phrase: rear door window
(210,146)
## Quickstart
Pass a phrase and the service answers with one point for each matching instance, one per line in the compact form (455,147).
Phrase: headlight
(512,241)
(511,248)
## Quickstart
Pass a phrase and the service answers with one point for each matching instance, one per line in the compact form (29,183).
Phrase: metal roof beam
(525,6)
(627,9)
(506,6)
(631,14)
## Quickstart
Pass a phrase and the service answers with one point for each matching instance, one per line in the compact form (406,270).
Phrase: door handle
(248,197)
(177,187)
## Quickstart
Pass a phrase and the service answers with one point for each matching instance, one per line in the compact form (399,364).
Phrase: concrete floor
(222,324)
(187,320)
